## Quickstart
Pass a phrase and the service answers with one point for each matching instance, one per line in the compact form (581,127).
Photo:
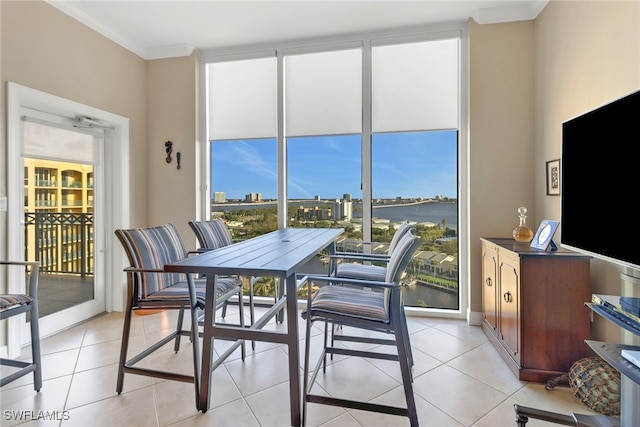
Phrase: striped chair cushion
(352,270)
(212,234)
(358,303)
(180,290)
(400,232)
(152,248)
(395,267)
(9,300)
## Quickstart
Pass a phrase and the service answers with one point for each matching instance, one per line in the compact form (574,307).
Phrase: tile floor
(459,380)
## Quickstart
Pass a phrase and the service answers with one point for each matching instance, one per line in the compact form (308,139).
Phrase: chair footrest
(354,404)
(364,340)
(26,368)
(159,374)
(15,363)
(361,353)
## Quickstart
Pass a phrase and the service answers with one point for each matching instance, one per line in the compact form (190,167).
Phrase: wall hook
(168,147)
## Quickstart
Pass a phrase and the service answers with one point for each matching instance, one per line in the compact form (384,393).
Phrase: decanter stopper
(522,233)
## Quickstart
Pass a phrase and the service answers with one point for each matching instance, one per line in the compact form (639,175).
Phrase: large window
(360,136)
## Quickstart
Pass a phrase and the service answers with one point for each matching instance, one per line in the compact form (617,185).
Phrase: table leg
(294,350)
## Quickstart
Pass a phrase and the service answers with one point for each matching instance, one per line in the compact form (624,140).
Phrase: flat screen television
(600,179)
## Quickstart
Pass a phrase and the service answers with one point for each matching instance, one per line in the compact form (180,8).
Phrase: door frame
(116,193)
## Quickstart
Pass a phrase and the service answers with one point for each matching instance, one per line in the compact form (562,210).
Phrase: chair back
(401,256)
(403,229)
(152,248)
(212,234)
(398,262)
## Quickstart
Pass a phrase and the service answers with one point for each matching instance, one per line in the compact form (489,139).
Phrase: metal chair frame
(187,301)
(35,365)
(396,326)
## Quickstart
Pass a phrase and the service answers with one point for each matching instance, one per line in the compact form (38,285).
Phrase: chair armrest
(361,257)
(144,270)
(33,274)
(30,263)
(353,282)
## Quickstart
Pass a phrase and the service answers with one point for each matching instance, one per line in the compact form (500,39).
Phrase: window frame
(366,42)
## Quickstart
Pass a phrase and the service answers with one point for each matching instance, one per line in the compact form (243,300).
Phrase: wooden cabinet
(533,307)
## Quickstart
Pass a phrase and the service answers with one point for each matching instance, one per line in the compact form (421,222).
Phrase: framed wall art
(553,177)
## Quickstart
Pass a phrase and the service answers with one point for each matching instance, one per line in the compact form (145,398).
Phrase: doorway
(67,188)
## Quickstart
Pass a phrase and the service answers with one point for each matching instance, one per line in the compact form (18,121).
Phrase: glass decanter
(522,233)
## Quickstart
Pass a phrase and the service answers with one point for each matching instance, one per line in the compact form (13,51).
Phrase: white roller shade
(323,93)
(415,86)
(242,99)
(52,143)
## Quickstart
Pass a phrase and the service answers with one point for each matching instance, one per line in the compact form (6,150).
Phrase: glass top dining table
(279,254)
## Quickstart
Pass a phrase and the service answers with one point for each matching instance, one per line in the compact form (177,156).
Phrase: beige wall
(586,54)
(172,117)
(501,149)
(44,49)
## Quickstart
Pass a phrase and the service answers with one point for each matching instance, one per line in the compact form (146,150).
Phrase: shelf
(610,352)
(616,317)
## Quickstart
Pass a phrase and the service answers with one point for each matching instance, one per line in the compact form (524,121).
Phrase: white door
(64,216)
(67,191)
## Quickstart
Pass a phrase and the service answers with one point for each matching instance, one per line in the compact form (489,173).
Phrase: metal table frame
(278,254)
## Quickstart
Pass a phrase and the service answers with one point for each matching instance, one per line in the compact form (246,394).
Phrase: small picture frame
(553,177)
(544,235)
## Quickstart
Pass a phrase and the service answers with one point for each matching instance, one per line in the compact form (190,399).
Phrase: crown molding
(79,15)
(527,11)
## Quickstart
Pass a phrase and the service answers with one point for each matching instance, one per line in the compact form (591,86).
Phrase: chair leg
(406,336)
(176,346)
(197,367)
(305,380)
(35,347)
(326,331)
(224,309)
(243,349)
(407,378)
(251,309)
(126,329)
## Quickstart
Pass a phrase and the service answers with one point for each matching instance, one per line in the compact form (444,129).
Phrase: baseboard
(474,318)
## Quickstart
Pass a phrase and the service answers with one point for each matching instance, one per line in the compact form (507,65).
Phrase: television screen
(600,175)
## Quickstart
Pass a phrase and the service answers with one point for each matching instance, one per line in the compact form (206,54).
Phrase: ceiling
(156,29)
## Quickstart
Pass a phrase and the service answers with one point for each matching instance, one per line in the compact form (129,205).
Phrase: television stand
(611,353)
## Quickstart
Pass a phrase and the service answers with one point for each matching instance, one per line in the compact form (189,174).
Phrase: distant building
(313,214)
(219,197)
(253,197)
(342,210)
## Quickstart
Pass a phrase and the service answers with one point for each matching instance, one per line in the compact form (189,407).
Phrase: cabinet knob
(507,297)
(488,281)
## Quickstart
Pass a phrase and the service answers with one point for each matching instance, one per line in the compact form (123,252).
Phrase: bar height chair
(214,234)
(360,266)
(377,309)
(15,304)
(150,287)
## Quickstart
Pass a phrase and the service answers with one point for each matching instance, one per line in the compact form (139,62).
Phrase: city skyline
(408,165)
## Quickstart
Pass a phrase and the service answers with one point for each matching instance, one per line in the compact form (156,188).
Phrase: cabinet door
(489,287)
(509,303)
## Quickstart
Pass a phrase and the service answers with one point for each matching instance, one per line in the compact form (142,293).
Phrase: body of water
(419,212)
(423,212)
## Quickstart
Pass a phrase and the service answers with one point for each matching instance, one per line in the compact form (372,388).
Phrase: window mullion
(366,145)
(282,144)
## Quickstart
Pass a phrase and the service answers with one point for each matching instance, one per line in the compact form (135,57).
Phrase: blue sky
(412,164)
